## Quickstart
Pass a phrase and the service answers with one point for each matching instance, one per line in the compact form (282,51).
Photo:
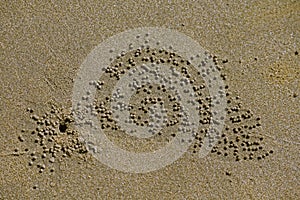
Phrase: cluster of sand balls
(54,138)
(147,95)
(240,139)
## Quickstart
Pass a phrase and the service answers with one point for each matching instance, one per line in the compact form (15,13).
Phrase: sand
(44,44)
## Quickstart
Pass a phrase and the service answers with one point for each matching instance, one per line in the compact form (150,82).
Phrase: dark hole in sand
(63,127)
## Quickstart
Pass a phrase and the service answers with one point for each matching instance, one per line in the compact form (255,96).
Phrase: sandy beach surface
(44,43)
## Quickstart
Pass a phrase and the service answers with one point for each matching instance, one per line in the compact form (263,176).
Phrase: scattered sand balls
(238,141)
(147,95)
(54,137)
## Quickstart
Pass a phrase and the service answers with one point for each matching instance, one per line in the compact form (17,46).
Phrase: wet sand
(43,45)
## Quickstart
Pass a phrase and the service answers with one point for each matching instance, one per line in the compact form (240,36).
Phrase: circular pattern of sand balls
(240,140)
(148,95)
(54,139)
(151,56)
